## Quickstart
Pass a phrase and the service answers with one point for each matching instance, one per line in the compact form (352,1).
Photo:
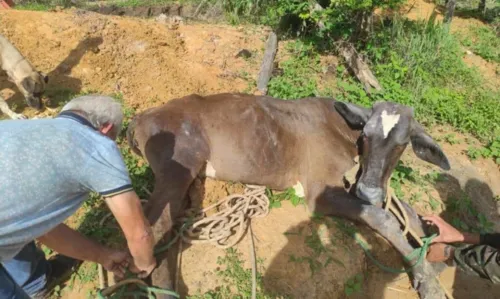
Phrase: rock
(162,18)
(244,53)
(468,52)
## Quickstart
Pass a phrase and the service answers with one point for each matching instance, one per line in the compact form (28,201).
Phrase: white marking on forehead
(388,122)
(299,189)
(210,170)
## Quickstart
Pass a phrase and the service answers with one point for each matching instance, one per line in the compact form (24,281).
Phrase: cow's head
(387,128)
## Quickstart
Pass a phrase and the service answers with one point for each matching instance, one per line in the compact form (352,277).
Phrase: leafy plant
(298,79)
(451,139)
(237,280)
(354,285)
(288,194)
(492,150)
(434,203)
(400,176)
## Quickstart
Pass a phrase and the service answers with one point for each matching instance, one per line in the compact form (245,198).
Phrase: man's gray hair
(99,110)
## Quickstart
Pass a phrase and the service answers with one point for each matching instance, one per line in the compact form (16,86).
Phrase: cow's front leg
(334,201)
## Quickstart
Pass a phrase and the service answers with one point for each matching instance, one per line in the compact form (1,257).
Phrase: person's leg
(481,260)
(8,288)
(29,269)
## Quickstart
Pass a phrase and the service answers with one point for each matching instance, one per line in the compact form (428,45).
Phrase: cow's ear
(426,148)
(355,116)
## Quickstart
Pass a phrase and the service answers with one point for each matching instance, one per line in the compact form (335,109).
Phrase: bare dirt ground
(151,63)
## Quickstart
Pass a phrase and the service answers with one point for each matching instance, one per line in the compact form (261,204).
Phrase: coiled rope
(228,224)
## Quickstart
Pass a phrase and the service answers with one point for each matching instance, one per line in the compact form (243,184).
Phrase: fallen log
(266,68)
(356,64)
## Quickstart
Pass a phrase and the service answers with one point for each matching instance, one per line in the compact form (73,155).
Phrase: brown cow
(261,140)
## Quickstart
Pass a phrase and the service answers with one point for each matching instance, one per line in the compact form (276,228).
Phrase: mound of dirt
(148,62)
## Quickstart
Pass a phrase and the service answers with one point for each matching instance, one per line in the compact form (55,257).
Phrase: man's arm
(449,234)
(71,243)
(126,207)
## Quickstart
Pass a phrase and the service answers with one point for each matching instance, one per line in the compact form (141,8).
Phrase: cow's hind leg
(174,170)
(335,201)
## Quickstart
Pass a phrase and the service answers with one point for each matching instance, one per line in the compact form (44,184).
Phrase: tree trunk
(482,7)
(450,9)
(364,25)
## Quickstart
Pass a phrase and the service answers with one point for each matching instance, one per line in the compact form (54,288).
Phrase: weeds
(354,285)
(237,280)
(483,41)
(288,194)
(320,255)
(419,64)
(492,150)
(465,216)
(298,79)
(451,139)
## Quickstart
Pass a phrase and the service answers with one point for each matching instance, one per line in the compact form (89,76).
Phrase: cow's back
(256,139)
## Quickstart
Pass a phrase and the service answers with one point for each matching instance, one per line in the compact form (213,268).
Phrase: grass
(354,285)
(237,280)
(419,64)
(45,5)
(492,150)
(483,41)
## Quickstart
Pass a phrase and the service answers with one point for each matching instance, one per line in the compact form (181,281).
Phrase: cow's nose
(373,195)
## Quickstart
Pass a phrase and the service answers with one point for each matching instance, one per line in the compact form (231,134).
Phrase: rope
(418,252)
(227,226)
(254,264)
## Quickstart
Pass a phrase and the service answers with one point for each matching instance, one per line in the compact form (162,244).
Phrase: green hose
(420,252)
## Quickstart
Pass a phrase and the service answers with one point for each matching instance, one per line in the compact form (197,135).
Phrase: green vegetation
(354,285)
(483,41)
(492,150)
(44,5)
(275,198)
(418,64)
(237,280)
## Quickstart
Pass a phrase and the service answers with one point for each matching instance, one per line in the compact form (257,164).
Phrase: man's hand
(115,261)
(440,252)
(143,269)
(447,233)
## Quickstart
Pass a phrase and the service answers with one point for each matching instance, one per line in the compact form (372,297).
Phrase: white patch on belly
(299,189)
(210,170)
(388,122)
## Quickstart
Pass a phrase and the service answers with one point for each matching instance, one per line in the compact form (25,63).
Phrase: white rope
(228,224)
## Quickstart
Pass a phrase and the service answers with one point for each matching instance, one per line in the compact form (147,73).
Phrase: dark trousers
(25,274)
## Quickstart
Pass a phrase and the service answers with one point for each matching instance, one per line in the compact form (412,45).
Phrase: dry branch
(266,68)
(360,68)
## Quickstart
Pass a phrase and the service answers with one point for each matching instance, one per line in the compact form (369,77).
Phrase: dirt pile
(148,62)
